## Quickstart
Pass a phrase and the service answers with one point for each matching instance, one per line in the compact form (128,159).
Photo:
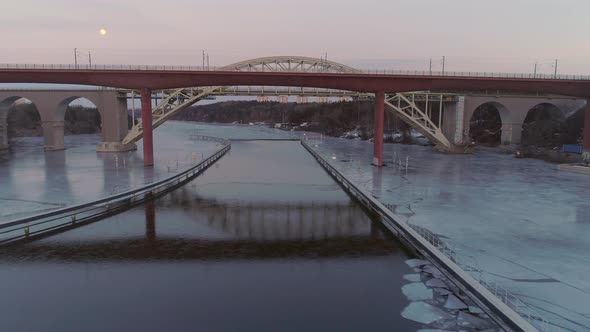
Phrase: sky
(473,35)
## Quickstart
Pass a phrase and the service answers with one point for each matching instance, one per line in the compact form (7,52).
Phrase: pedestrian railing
(320,69)
(72,216)
(470,264)
(501,312)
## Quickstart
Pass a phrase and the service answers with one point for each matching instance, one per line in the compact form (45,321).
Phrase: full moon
(102,32)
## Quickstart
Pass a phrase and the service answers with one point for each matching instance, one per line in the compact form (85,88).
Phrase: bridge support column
(587,127)
(146,124)
(53,134)
(511,133)
(3,132)
(459,136)
(114,124)
(378,129)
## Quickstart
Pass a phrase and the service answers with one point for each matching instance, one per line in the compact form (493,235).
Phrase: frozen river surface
(34,181)
(521,221)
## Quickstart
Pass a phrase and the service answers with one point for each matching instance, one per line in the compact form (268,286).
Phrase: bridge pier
(146,124)
(587,127)
(53,134)
(378,129)
(114,124)
(511,133)
(3,131)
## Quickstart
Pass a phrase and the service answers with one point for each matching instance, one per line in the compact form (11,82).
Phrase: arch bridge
(386,88)
(403,104)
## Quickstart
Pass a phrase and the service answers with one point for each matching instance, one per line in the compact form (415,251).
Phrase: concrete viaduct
(112,106)
(281,73)
(52,105)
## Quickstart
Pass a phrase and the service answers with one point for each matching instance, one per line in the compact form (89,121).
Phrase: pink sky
(474,35)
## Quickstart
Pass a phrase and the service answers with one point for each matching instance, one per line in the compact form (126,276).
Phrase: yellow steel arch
(290,64)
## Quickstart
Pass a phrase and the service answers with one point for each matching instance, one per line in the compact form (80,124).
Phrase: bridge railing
(389,72)
(86,212)
(470,264)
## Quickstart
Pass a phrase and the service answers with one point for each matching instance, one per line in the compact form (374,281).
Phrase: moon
(102,32)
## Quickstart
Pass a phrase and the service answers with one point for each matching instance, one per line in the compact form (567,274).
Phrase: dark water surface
(264,240)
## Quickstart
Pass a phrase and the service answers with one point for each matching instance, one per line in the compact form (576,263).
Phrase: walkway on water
(263,240)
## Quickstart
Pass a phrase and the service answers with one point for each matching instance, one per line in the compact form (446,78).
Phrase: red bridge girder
(164,79)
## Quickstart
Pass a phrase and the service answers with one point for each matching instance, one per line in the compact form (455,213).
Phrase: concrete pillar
(53,133)
(511,133)
(114,123)
(146,124)
(114,118)
(449,121)
(587,127)
(378,129)
(3,131)
(459,136)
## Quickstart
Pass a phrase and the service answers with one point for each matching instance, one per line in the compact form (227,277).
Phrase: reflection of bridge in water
(269,221)
(243,231)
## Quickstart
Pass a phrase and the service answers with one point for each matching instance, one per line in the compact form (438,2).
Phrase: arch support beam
(378,129)
(146,123)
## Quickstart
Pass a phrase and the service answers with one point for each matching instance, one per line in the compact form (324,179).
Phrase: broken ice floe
(470,321)
(416,262)
(436,283)
(424,313)
(443,291)
(433,271)
(412,277)
(417,292)
(454,303)
(475,310)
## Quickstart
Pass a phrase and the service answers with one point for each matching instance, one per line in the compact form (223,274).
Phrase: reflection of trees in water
(485,126)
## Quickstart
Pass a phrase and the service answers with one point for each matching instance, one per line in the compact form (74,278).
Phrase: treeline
(24,120)
(329,118)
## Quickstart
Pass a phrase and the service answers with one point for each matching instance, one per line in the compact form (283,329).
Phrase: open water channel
(264,240)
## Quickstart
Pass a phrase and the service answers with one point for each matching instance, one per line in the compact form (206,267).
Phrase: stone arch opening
(489,124)
(80,116)
(19,117)
(543,126)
